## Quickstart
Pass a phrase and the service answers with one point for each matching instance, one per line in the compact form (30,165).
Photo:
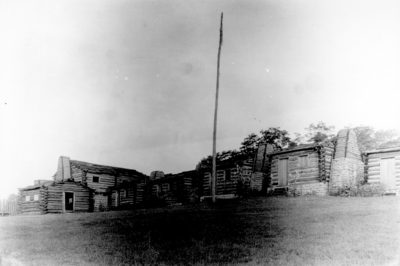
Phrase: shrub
(293,190)
(102,207)
(361,189)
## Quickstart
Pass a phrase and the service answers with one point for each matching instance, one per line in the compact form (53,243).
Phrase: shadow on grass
(207,234)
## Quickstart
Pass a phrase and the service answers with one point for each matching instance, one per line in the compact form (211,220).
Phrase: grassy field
(256,231)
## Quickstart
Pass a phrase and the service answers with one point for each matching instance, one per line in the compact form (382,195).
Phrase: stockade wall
(8,207)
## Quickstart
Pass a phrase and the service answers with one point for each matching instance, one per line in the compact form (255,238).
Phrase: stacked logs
(372,169)
(325,153)
(321,162)
(329,150)
(31,206)
(43,200)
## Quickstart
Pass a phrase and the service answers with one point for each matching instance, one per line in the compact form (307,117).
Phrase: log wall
(140,192)
(32,206)
(55,197)
(105,181)
(102,199)
(124,199)
(77,174)
(373,167)
(223,186)
(310,173)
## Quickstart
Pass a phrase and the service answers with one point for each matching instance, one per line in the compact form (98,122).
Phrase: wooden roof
(104,169)
(303,147)
(50,183)
(382,150)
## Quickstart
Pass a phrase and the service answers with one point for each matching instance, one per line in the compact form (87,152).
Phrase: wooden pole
(214,162)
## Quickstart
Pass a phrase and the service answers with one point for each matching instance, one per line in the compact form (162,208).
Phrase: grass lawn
(255,231)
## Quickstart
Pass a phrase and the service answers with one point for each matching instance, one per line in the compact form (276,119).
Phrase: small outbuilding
(55,197)
(383,166)
(228,175)
(173,188)
(306,166)
(113,186)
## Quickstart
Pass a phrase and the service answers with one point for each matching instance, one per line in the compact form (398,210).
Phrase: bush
(361,189)
(293,190)
(103,207)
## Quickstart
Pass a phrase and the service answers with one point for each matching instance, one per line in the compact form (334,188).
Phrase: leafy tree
(365,137)
(221,157)
(13,197)
(387,138)
(278,138)
(249,145)
(299,139)
(319,132)
(369,139)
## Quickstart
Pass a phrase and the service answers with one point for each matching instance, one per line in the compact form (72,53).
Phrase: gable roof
(382,150)
(52,183)
(303,147)
(105,169)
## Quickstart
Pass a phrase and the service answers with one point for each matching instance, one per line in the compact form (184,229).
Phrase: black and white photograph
(199,132)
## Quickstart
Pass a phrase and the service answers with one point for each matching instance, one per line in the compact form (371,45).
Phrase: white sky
(132,83)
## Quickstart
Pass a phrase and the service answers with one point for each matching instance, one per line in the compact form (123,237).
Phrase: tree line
(368,139)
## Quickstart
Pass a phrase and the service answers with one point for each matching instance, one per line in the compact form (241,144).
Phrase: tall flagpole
(214,162)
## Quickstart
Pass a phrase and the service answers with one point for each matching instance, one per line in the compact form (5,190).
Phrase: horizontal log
(372,165)
(374,174)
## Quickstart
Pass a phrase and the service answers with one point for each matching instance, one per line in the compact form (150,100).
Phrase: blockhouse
(383,166)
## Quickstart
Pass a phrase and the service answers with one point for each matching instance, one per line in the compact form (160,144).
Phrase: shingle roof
(382,150)
(50,183)
(104,169)
(302,147)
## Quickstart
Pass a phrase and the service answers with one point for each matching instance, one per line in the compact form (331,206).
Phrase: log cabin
(383,166)
(92,187)
(173,188)
(55,197)
(228,175)
(306,166)
(113,186)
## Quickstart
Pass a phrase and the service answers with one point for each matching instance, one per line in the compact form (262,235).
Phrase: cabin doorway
(283,172)
(69,201)
(388,173)
(115,198)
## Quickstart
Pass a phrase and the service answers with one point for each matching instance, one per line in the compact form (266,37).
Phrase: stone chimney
(63,169)
(261,161)
(347,165)
(156,175)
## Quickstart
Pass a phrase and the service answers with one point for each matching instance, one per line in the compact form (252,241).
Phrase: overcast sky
(132,83)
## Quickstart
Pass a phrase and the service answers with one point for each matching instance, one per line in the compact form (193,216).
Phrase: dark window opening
(69,201)
(228,175)
(96,179)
